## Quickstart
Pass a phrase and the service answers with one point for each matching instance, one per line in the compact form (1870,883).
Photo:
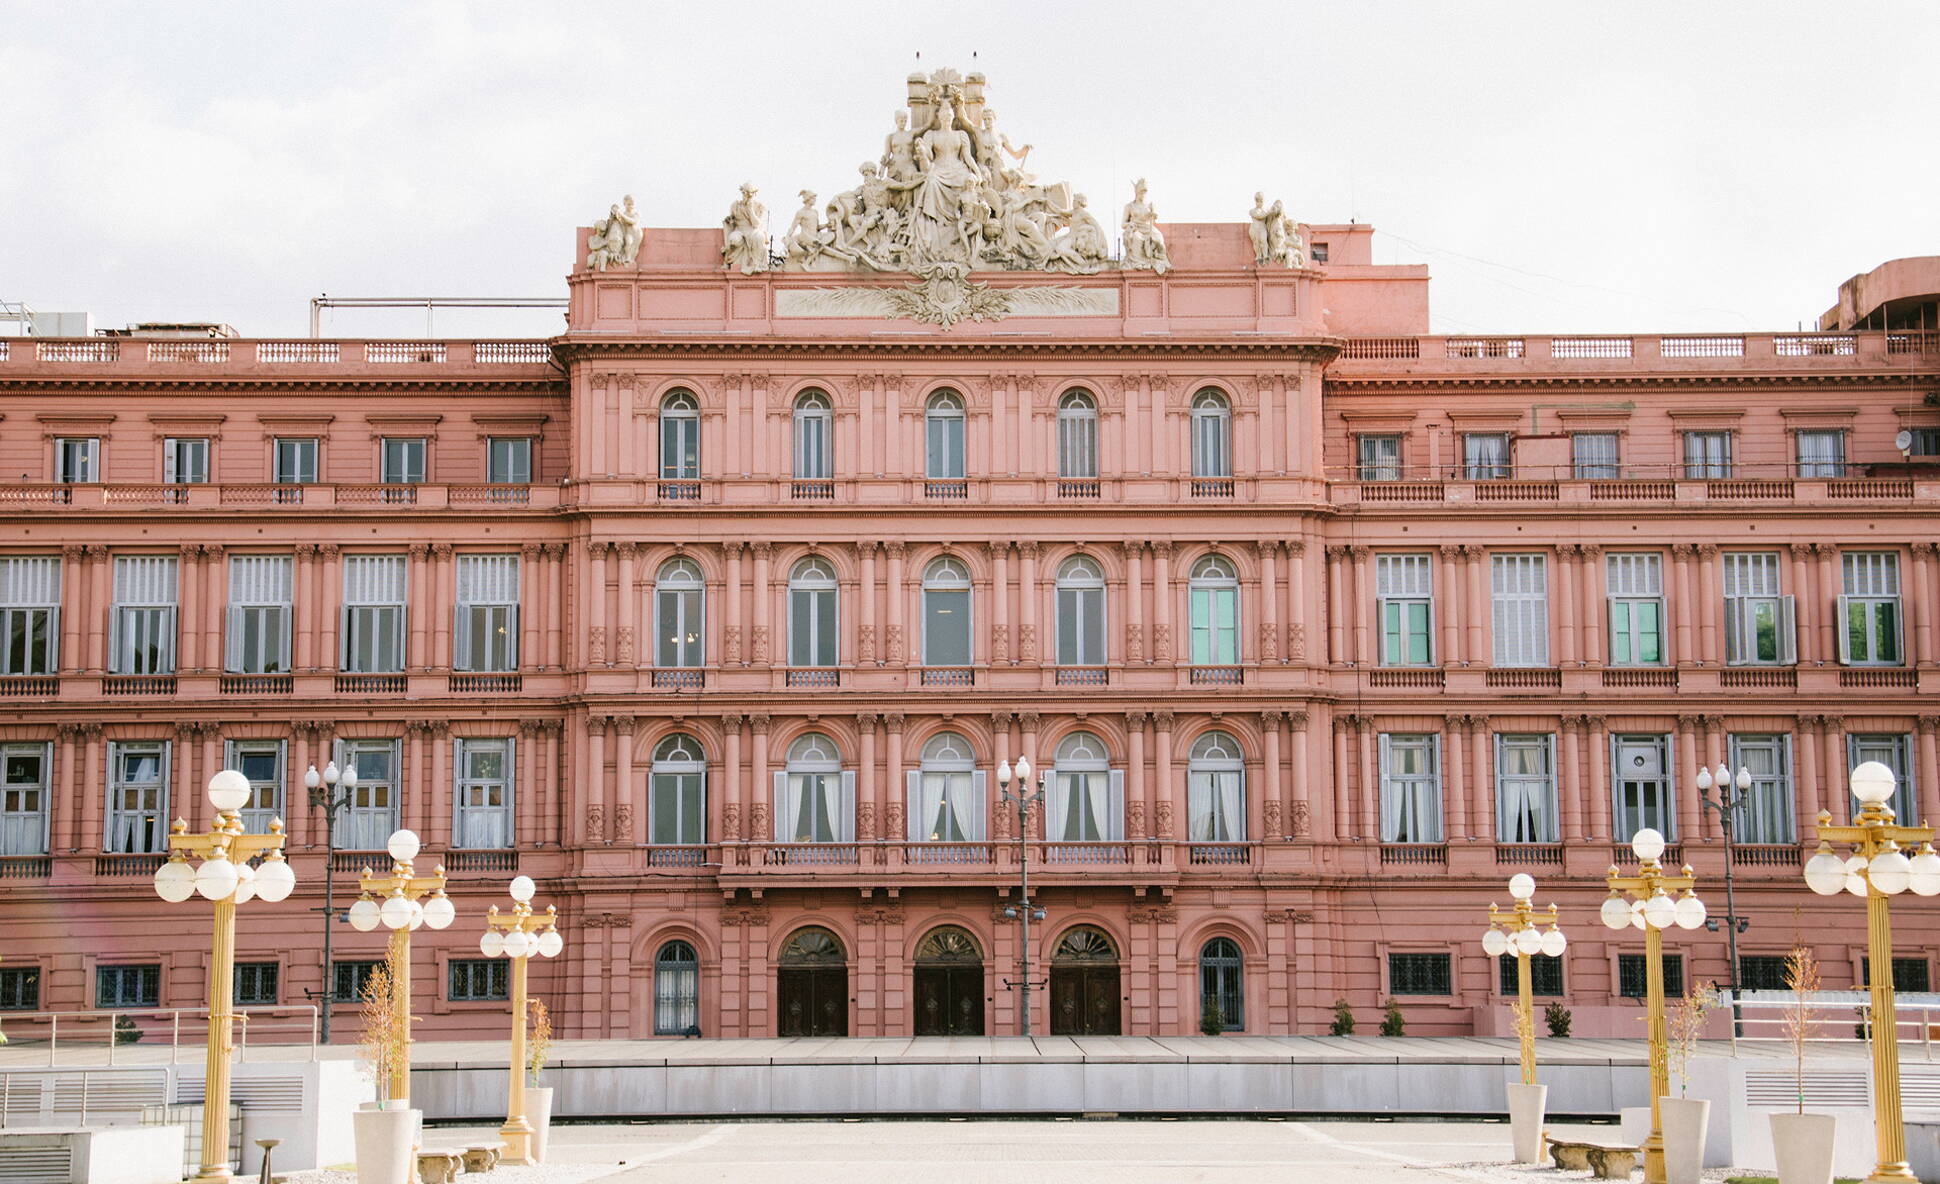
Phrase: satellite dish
(1903,441)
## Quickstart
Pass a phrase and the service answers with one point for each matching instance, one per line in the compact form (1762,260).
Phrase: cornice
(472,386)
(1320,349)
(1553,380)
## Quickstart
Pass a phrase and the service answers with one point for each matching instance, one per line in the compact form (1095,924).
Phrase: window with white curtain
(1593,456)
(679,623)
(137,796)
(24,769)
(1212,435)
(1635,582)
(1822,453)
(946,613)
(261,762)
(77,460)
(1077,436)
(677,792)
(1641,775)
(144,615)
(1212,595)
(1869,609)
(486,634)
(185,460)
(1485,456)
(1895,751)
(30,614)
(1216,790)
(946,794)
(680,437)
(814,437)
(1519,609)
(1767,813)
(261,591)
(371,816)
(814,795)
(1760,626)
(1404,586)
(1081,613)
(1085,796)
(1411,788)
(1707,455)
(943,437)
(373,614)
(812,614)
(482,815)
(1525,788)
(1379,457)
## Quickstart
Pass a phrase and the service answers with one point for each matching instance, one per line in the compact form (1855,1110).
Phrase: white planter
(1526,1104)
(1802,1144)
(386,1145)
(1686,1121)
(538,1115)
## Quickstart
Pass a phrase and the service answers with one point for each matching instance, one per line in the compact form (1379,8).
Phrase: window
(677,793)
(814,796)
(373,614)
(1212,435)
(1895,752)
(1870,609)
(1926,442)
(19,988)
(1525,788)
(1632,981)
(30,614)
(1216,790)
(814,437)
(1767,814)
(1419,974)
(372,815)
(137,797)
(258,622)
(1213,596)
(1909,974)
(144,615)
(680,437)
(1081,613)
(1636,589)
(127,986)
(403,461)
(1380,457)
(812,614)
(296,460)
(77,460)
(946,613)
(1404,586)
(676,990)
(679,593)
(185,461)
(943,437)
(484,792)
(256,984)
(1221,994)
(349,978)
(1485,456)
(1545,976)
(1593,456)
(1411,789)
(1759,624)
(1707,455)
(1822,454)
(478,980)
(508,460)
(261,761)
(486,633)
(1077,437)
(23,798)
(1643,785)
(1762,972)
(1085,802)
(1317,252)
(1519,609)
(946,795)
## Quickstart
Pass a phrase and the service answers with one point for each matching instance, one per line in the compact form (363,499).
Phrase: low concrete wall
(92,1154)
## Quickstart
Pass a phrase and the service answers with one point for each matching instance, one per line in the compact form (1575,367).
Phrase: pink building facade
(717,613)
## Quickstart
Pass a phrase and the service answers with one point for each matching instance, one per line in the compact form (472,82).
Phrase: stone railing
(1694,350)
(184,355)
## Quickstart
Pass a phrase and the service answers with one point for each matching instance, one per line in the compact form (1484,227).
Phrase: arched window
(946,613)
(814,437)
(676,990)
(677,793)
(680,437)
(1212,435)
(946,794)
(1083,943)
(1081,613)
(1086,799)
(1077,437)
(1213,593)
(812,614)
(1216,790)
(678,624)
(1222,999)
(813,946)
(814,796)
(943,437)
(948,943)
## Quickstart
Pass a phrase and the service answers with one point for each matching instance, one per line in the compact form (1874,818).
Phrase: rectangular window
(1767,814)
(30,614)
(1822,454)
(1641,775)
(1707,455)
(144,615)
(1419,974)
(1593,456)
(256,984)
(373,614)
(1761,972)
(1869,610)
(1085,805)
(23,797)
(1081,624)
(261,761)
(677,796)
(1380,457)
(1545,976)
(261,595)
(484,793)
(77,460)
(1216,803)
(1485,456)
(348,979)
(403,462)
(508,460)
(1405,588)
(815,806)
(1636,589)
(367,823)
(127,986)
(943,458)
(487,628)
(1633,981)
(1909,974)
(1760,626)
(946,805)
(296,460)
(185,460)
(1411,789)
(1525,789)
(680,617)
(1895,752)
(137,797)
(1214,623)
(1519,609)
(1926,442)
(19,988)
(479,980)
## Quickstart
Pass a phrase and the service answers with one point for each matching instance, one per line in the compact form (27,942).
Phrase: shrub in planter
(1392,1022)
(1212,1021)
(1558,1018)
(1343,1024)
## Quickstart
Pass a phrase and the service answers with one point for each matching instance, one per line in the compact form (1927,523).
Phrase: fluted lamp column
(518,935)
(404,909)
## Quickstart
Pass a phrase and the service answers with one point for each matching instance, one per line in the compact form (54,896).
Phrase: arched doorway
(812,985)
(949,984)
(1084,984)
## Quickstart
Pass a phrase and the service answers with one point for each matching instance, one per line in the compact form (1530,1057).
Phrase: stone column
(552,803)
(525,790)
(1304,599)
(869,791)
(1336,604)
(556,554)
(215,599)
(1688,829)
(760,649)
(595,600)
(1161,604)
(443,606)
(629,796)
(75,608)
(1678,593)
(1266,811)
(1368,768)
(1479,605)
(1027,605)
(1344,820)
(1134,602)
(866,652)
(1455,776)
(1166,793)
(1570,780)
(1481,797)
(731,610)
(1828,599)
(596,791)
(1922,614)
(1927,779)
(64,804)
(531,605)
(628,628)
(1593,652)
(892,814)
(898,652)
(1028,721)
(443,784)
(760,828)
(1709,606)
(330,590)
(1300,809)
(1566,605)
(418,610)
(1000,650)
(1450,612)
(188,594)
(997,815)
(93,831)
(1834,798)
(100,605)
(1362,604)
(1599,823)
(727,808)
(1137,789)
(1269,632)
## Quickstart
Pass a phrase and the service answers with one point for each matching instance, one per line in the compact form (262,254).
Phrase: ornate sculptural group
(1144,245)
(615,241)
(1277,240)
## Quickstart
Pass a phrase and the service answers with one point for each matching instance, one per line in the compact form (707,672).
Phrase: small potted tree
(538,1098)
(1801,1142)
(1343,1024)
(1393,1023)
(386,1132)
(1212,1020)
(1686,1119)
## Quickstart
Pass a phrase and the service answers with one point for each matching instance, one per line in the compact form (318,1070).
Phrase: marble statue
(899,150)
(616,238)
(744,233)
(1144,244)
(1277,240)
(1256,230)
(946,163)
(803,243)
(1081,247)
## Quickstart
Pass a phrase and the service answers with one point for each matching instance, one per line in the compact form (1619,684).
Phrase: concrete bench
(483,1157)
(1608,1161)
(440,1165)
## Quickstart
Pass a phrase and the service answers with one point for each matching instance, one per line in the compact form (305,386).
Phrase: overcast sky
(1560,165)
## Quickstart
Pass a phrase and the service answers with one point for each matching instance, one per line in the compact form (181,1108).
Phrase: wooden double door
(949,1000)
(813,1000)
(1084,1000)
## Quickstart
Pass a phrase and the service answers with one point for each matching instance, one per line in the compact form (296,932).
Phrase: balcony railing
(1640,677)
(1082,676)
(37,686)
(498,494)
(812,491)
(1435,854)
(1670,860)
(1759,677)
(401,352)
(1220,854)
(371,684)
(138,684)
(946,491)
(481,861)
(1086,853)
(1078,488)
(1878,678)
(1412,678)
(1523,678)
(1212,487)
(814,676)
(25,867)
(948,676)
(679,679)
(127,865)
(947,853)
(256,684)
(1215,676)
(1766,855)
(511,353)
(680,491)
(669,856)
(483,684)
(1531,854)
(377,495)
(810,855)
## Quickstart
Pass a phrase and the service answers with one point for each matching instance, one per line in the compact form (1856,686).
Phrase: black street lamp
(330,791)
(1731,795)
(1023,911)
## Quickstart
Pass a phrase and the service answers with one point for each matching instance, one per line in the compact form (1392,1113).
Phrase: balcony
(138,684)
(481,861)
(1215,676)
(1670,860)
(1078,488)
(483,684)
(1218,854)
(1085,853)
(813,676)
(948,676)
(25,867)
(1221,487)
(1523,678)
(127,865)
(490,495)
(812,491)
(1640,678)
(947,854)
(679,679)
(1529,854)
(256,684)
(1082,676)
(1688,352)
(680,491)
(810,855)
(1408,678)
(677,857)
(946,491)
(1878,678)
(38,686)
(377,495)
(1417,854)
(1783,855)
(1769,678)
(371,684)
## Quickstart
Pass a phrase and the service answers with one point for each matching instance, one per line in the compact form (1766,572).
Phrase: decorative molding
(945,296)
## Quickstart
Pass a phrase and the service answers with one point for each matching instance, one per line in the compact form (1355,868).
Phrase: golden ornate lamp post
(518,935)
(1517,931)
(1651,909)
(226,878)
(401,912)
(1877,869)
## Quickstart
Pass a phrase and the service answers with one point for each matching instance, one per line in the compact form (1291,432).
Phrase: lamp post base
(517,1133)
(1654,1169)
(1892,1173)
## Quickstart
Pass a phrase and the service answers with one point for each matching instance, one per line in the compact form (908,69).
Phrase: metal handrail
(172,1015)
(1832,1008)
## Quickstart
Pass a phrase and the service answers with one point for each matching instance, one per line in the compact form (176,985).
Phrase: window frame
(1625,573)
(1707,454)
(814,440)
(282,474)
(1769,815)
(257,971)
(814,615)
(1211,418)
(71,452)
(680,593)
(147,986)
(471,823)
(268,798)
(1077,440)
(484,980)
(1080,589)
(145,628)
(515,467)
(1632,966)
(374,628)
(1543,824)
(1444,977)
(363,820)
(680,436)
(1222,978)
(258,628)
(1212,593)
(948,589)
(672,765)
(187,460)
(30,614)
(946,783)
(24,830)
(487,588)
(946,445)
(1519,578)
(812,759)
(1874,613)
(1665,808)
(396,455)
(1477,466)
(1592,468)
(1899,749)
(1412,805)
(1216,781)
(1541,984)
(1368,465)
(1830,467)
(124,825)
(1753,597)
(358,971)
(20,987)
(1404,604)
(676,989)
(1081,775)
